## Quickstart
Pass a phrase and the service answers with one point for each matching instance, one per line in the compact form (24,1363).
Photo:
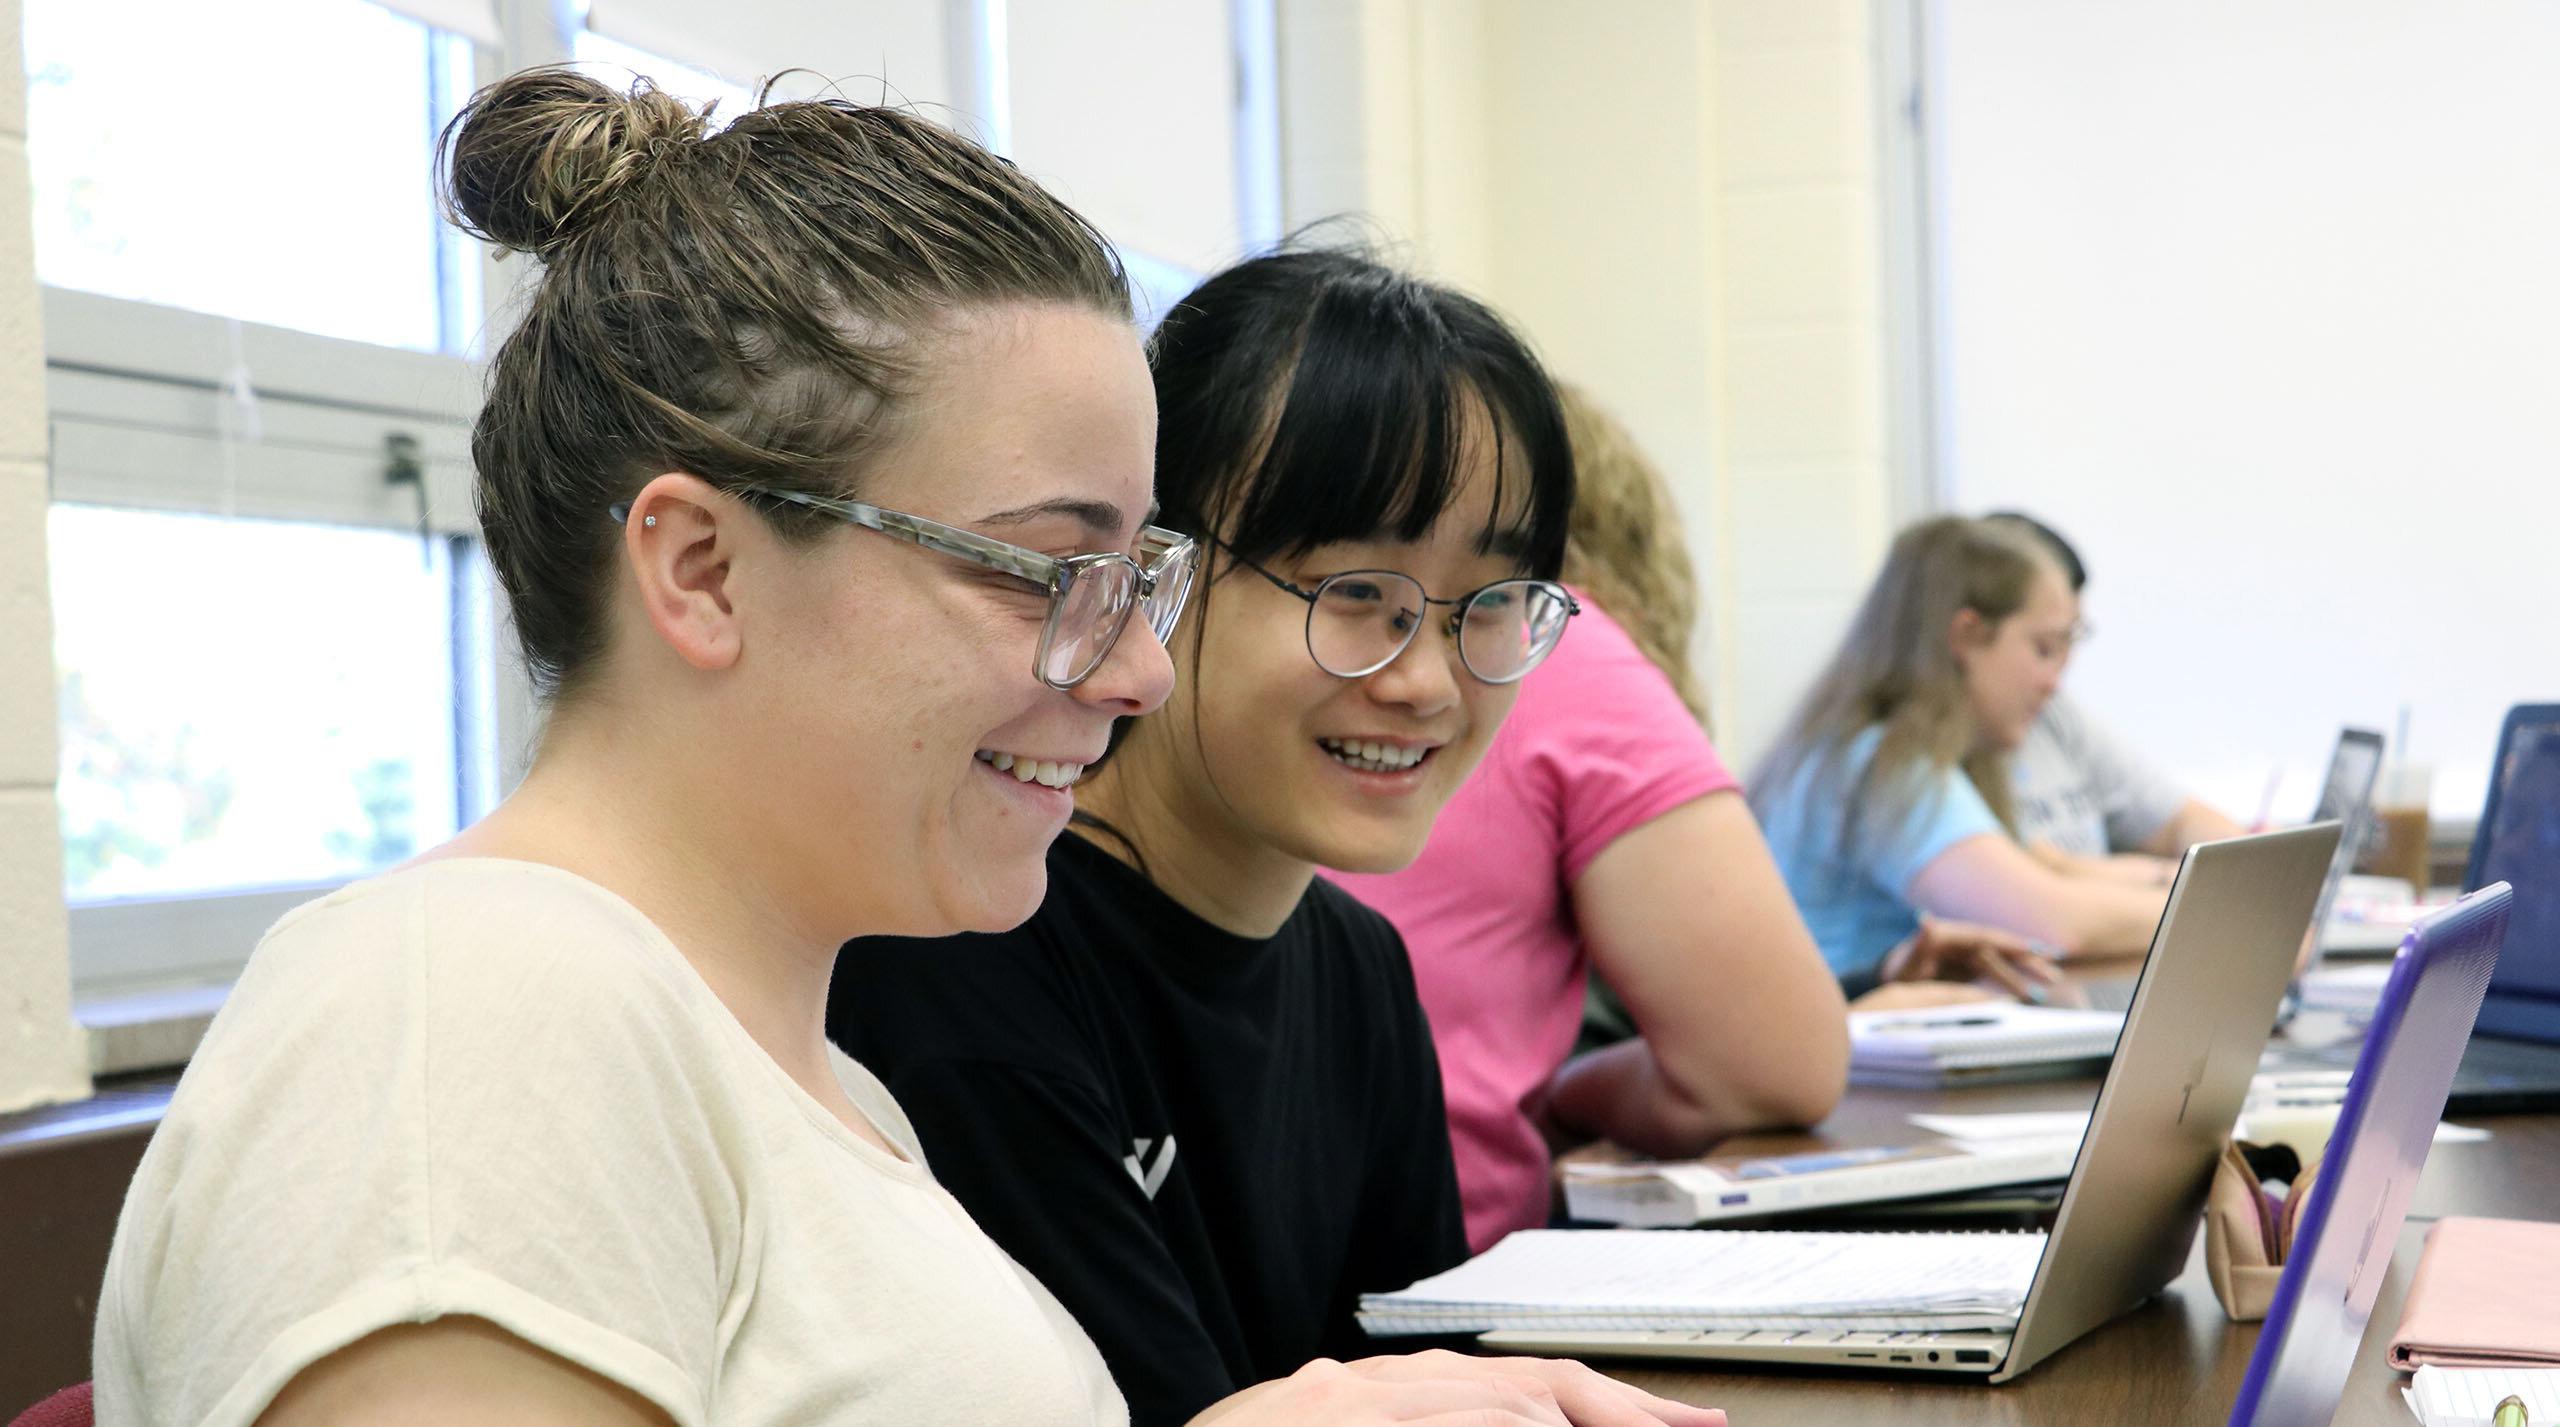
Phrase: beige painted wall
(42,1056)
(1678,200)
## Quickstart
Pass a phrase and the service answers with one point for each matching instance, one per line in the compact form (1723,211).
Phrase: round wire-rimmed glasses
(1091,597)
(1359,621)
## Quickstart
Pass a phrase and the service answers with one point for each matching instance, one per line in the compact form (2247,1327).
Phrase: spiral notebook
(2469,1397)
(1976,1044)
(1585,1280)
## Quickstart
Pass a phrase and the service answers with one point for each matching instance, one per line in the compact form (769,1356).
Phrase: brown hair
(1896,672)
(751,306)
(1625,547)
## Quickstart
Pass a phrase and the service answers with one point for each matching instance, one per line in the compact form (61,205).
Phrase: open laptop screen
(2352,770)
(2518,843)
(2346,797)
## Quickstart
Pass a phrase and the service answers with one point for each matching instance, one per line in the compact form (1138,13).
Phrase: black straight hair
(1313,396)
(1316,395)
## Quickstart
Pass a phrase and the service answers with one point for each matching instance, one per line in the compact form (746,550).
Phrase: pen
(2510,1412)
(1942,1024)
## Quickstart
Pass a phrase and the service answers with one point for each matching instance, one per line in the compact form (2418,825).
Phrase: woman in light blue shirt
(1887,798)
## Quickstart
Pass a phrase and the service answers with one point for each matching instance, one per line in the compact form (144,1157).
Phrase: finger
(1998,971)
(1591,1399)
(2035,964)
(1898,962)
(1476,1390)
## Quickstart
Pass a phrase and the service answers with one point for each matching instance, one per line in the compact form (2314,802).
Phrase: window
(335,754)
(275,660)
(267,162)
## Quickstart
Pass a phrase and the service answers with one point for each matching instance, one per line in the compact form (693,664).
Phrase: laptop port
(1973,1355)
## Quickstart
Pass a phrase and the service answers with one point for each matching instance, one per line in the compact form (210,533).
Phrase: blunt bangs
(1308,398)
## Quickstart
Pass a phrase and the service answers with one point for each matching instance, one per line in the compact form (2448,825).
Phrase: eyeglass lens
(1090,616)
(1362,619)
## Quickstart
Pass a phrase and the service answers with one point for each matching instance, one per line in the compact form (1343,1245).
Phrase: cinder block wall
(42,1058)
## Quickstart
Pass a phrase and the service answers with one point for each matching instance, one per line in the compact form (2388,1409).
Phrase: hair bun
(533,158)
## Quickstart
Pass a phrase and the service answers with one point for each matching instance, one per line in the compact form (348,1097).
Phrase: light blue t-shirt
(1858,906)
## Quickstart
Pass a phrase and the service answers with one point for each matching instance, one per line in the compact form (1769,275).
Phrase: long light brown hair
(1626,548)
(1896,671)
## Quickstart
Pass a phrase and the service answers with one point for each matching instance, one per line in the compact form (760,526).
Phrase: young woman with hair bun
(818,477)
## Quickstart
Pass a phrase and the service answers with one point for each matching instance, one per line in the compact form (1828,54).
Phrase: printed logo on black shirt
(1150,1175)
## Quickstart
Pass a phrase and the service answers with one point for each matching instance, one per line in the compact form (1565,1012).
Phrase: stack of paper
(2469,1397)
(1720,1279)
(1972,1043)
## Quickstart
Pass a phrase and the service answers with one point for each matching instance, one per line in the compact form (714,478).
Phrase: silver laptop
(2346,798)
(2200,1013)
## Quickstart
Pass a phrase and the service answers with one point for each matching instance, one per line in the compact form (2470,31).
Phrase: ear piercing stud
(649,520)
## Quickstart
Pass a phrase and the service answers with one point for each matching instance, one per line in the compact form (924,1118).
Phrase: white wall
(42,1057)
(2260,304)
(1127,110)
(1677,202)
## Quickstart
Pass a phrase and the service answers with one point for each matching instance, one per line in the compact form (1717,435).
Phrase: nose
(1136,677)
(1425,678)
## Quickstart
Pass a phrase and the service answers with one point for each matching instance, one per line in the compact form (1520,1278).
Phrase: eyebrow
(1100,517)
(1508,544)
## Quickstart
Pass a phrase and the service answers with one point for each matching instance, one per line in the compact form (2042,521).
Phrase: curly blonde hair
(1625,547)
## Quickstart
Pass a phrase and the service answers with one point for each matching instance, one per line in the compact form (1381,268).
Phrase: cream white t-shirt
(493,1088)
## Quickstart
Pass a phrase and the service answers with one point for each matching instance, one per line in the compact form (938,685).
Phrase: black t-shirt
(1207,1146)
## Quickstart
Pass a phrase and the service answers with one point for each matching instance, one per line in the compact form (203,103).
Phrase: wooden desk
(2175,1361)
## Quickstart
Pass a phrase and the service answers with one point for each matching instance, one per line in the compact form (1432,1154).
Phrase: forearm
(1993,881)
(2096,917)
(2195,821)
(1626,1095)
(2137,869)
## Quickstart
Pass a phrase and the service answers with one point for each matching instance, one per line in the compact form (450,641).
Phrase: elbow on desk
(1798,1090)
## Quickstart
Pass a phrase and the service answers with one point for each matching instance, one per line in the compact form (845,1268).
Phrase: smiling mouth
(1368,757)
(1033,770)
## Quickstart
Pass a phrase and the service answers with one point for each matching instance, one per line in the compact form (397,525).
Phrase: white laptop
(2218,964)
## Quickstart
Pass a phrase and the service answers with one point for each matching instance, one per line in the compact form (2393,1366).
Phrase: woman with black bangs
(1195,1094)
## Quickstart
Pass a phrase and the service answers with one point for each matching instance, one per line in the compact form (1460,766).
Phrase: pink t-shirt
(1598,744)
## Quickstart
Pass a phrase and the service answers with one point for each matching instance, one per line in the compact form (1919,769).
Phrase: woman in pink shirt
(1602,830)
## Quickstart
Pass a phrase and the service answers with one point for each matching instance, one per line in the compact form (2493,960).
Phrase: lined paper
(2014,1125)
(1720,1278)
(2467,1397)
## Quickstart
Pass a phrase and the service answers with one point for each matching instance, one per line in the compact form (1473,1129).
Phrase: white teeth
(1371,757)
(1033,770)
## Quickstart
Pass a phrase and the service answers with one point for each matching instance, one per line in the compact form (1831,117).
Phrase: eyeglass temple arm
(1029,565)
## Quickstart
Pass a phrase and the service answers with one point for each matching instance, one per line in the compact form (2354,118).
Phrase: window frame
(140,405)
(137,391)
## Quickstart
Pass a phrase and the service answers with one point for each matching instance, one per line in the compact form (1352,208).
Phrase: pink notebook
(2486,1295)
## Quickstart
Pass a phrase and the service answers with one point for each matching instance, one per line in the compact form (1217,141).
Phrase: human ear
(1967,632)
(680,540)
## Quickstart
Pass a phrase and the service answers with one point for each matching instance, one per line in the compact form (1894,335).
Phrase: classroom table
(2174,1361)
